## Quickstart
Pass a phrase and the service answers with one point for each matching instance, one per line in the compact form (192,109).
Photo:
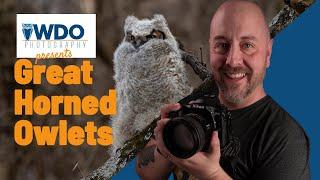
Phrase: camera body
(189,129)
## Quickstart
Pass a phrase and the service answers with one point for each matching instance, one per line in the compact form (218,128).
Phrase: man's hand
(203,165)
(152,165)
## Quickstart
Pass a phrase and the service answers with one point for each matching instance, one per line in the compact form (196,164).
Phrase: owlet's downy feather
(149,73)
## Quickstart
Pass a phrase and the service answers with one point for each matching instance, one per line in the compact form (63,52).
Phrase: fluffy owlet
(149,73)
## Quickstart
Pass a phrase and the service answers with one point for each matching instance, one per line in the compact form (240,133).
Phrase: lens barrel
(184,136)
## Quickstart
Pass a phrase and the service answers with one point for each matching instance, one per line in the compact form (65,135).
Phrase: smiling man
(240,50)
(272,144)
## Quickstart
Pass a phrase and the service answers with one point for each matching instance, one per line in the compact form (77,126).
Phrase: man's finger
(161,145)
(160,126)
(162,123)
(168,108)
(215,145)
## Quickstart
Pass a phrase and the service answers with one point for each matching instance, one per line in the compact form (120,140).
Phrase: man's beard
(232,93)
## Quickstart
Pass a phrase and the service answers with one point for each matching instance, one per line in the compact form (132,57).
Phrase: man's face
(240,51)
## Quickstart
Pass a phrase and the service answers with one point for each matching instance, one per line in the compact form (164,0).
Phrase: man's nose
(234,58)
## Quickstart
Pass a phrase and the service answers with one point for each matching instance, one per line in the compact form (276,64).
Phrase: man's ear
(269,51)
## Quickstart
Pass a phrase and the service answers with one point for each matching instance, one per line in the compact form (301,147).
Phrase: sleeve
(286,154)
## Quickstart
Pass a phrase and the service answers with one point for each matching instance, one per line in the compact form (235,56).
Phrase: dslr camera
(189,129)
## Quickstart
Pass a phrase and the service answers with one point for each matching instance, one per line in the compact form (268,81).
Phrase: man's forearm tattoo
(146,156)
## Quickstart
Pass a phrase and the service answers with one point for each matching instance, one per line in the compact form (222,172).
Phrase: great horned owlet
(149,73)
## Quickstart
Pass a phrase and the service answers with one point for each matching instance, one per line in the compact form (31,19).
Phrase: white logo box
(84,47)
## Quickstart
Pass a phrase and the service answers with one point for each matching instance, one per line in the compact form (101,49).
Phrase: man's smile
(235,75)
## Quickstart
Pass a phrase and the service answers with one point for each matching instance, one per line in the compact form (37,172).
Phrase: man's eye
(221,47)
(247,45)
(248,48)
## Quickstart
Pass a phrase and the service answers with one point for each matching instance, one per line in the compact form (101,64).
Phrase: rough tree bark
(287,15)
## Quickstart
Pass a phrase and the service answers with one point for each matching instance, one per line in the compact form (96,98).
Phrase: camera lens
(184,136)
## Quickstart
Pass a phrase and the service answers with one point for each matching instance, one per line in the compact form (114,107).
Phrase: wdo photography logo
(45,36)
(27,30)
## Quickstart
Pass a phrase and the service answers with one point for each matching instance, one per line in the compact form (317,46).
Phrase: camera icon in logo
(27,30)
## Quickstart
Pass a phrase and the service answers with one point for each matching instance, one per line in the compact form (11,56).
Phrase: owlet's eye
(156,34)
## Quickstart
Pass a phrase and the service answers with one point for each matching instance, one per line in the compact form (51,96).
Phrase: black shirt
(272,144)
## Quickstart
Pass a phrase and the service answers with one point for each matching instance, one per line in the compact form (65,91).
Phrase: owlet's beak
(139,41)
